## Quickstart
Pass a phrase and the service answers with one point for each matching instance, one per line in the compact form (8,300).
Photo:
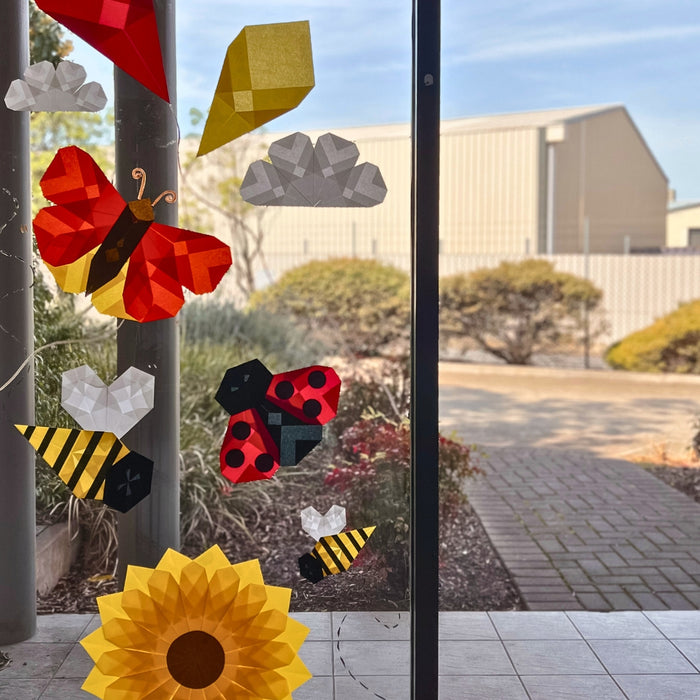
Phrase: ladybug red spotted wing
(276,419)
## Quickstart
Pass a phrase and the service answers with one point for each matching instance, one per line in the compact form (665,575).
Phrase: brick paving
(584,533)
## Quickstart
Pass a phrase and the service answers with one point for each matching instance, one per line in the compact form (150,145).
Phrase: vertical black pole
(424,348)
(17,509)
(146,137)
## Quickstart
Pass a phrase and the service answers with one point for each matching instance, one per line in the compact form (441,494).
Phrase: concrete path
(579,532)
(483,656)
(611,414)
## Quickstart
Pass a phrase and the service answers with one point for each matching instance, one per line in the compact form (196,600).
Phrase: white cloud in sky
(555,42)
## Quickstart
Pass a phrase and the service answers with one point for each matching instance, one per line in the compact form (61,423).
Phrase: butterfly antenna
(140,174)
(169,196)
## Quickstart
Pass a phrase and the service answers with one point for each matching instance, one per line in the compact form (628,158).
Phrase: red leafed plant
(371,467)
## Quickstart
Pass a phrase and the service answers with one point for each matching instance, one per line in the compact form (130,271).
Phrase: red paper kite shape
(123,30)
(276,420)
(97,243)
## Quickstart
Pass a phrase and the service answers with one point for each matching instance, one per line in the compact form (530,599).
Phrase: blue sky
(498,56)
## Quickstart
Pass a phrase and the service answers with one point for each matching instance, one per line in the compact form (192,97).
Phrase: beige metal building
(683,225)
(510,184)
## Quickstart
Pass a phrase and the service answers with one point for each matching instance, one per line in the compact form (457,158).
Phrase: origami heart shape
(116,408)
(318,526)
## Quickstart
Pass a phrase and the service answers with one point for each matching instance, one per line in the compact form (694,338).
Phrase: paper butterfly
(95,242)
(276,420)
(125,31)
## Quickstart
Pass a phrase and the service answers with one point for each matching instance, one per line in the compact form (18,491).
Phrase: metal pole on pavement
(17,505)
(425,248)
(146,137)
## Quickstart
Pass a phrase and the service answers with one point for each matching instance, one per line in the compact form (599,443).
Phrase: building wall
(494,190)
(488,200)
(489,191)
(678,223)
(605,171)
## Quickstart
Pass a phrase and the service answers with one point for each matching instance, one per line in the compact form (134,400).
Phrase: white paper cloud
(49,89)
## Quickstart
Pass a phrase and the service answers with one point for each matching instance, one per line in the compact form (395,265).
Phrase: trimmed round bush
(670,344)
(359,306)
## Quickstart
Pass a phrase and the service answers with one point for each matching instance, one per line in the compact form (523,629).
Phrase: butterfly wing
(87,205)
(166,259)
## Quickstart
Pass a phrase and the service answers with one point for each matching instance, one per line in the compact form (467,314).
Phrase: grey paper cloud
(49,89)
(303,175)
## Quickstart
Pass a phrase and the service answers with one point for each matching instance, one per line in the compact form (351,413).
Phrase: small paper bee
(93,462)
(333,554)
(276,420)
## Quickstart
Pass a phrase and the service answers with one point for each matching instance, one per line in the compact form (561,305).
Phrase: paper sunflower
(201,628)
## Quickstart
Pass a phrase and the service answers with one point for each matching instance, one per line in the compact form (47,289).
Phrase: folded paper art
(60,89)
(95,242)
(301,175)
(125,31)
(276,420)
(268,70)
(116,408)
(333,554)
(93,464)
(196,628)
(318,526)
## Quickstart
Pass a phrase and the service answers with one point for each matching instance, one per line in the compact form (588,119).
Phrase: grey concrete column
(17,505)
(146,137)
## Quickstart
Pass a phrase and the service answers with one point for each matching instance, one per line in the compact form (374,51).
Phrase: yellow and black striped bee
(93,464)
(333,554)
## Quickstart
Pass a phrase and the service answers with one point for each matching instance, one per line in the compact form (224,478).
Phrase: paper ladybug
(276,420)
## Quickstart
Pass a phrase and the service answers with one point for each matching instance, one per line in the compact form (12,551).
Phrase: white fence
(636,288)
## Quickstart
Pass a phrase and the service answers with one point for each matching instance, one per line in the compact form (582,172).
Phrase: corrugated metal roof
(488,122)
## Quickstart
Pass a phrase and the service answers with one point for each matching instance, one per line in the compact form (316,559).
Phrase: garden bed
(472,576)
(685,479)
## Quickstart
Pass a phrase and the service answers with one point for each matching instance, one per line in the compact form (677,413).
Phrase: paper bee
(276,420)
(93,462)
(333,554)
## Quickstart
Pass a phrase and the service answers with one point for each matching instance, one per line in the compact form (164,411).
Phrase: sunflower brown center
(196,659)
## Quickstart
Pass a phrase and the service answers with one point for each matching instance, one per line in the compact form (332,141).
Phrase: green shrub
(670,344)
(517,309)
(359,306)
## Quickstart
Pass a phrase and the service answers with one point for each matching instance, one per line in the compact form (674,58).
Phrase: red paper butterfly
(97,243)
(276,419)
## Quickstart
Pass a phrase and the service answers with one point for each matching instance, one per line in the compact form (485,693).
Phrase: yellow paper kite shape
(196,628)
(268,70)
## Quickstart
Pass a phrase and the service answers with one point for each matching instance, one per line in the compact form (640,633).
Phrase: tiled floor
(484,656)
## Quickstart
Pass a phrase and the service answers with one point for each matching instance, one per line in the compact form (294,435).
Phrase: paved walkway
(580,532)
(611,414)
(484,656)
